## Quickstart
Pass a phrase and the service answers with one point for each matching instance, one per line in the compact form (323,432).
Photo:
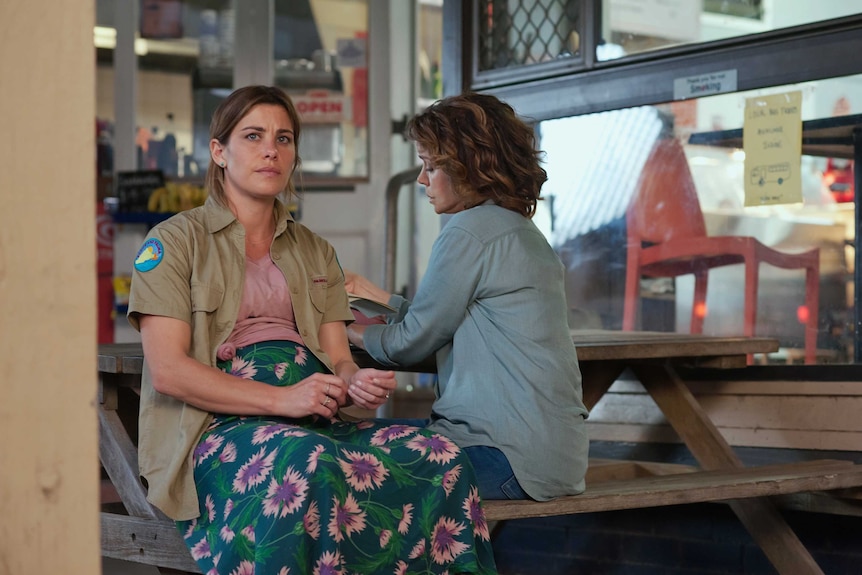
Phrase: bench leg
(600,375)
(760,516)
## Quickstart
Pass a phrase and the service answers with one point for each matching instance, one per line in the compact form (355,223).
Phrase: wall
(48,456)
(774,414)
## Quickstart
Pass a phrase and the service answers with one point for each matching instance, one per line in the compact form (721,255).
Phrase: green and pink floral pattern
(296,497)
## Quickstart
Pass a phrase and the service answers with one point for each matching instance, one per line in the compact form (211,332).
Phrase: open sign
(321,107)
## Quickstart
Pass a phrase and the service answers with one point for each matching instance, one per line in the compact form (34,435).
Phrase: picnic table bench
(139,532)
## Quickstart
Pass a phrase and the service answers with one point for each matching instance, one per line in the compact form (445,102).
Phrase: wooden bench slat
(602,470)
(147,541)
(694,487)
(157,542)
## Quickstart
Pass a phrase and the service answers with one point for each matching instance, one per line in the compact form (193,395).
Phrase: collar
(219,217)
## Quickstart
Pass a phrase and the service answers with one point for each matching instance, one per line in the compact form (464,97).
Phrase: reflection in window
(185,67)
(321,59)
(186,56)
(634,26)
(596,165)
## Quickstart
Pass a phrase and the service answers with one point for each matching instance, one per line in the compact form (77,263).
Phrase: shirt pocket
(206,298)
(317,293)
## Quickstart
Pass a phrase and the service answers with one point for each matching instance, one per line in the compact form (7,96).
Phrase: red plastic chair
(667,238)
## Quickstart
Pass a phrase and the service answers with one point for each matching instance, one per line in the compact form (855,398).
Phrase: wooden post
(49,491)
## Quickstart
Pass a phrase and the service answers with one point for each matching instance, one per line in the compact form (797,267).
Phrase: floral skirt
(283,496)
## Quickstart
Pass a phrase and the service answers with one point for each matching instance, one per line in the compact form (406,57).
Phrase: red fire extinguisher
(105,273)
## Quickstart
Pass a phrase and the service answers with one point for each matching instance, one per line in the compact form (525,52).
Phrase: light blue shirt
(492,307)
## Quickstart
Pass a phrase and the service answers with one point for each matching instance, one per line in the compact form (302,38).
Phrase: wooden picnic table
(603,355)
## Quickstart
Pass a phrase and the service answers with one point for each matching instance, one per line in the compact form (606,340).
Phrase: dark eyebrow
(260,129)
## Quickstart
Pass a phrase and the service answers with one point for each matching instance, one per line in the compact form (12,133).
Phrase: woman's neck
(252,212)
(257,218)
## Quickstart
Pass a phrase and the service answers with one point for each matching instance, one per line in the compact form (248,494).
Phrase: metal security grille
(525,32)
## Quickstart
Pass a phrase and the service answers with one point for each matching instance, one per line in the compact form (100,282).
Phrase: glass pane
(178,42)
(518,32)
(321,59)
(180,85)
(430,42)
(600,166)
(186,60)
(634,26)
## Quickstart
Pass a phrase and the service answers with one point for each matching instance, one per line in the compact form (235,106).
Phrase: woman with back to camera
(491,306)
(242,317)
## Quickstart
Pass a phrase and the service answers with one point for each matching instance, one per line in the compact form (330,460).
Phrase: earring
(222,164)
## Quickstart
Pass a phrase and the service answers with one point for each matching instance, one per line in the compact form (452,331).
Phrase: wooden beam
(690,421)
(147,541)
(691,487)
(119,457)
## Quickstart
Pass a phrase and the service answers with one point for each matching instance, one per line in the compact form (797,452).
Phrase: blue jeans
(494,475)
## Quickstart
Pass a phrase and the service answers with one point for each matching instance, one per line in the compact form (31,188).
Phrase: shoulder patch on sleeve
(150,255)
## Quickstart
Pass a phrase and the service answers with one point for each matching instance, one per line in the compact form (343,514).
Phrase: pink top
(265,311)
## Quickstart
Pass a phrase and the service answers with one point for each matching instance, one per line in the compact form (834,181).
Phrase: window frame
(792,55)
(584,59)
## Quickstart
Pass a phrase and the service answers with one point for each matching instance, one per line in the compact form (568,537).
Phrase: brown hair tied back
(487,150)
(229,113)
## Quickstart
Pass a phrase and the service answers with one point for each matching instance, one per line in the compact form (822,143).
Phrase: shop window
(430,42)
(524,33)
(186,58)
(518,39)
(321,60)
(637,26)
(185,66)
(595,163)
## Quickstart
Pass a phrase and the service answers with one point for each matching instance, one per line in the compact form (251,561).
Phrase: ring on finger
(387,395)
(328,385)
(327,400)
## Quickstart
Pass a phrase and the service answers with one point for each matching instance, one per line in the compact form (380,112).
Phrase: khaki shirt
(192,267)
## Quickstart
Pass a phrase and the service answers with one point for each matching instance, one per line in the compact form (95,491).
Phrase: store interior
(185,63)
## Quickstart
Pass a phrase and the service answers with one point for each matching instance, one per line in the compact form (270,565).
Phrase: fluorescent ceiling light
(104,37)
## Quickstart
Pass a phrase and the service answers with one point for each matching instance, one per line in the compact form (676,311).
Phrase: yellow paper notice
(772,139)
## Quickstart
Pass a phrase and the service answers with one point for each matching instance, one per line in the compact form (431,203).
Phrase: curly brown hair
(487,150)
(226,117)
